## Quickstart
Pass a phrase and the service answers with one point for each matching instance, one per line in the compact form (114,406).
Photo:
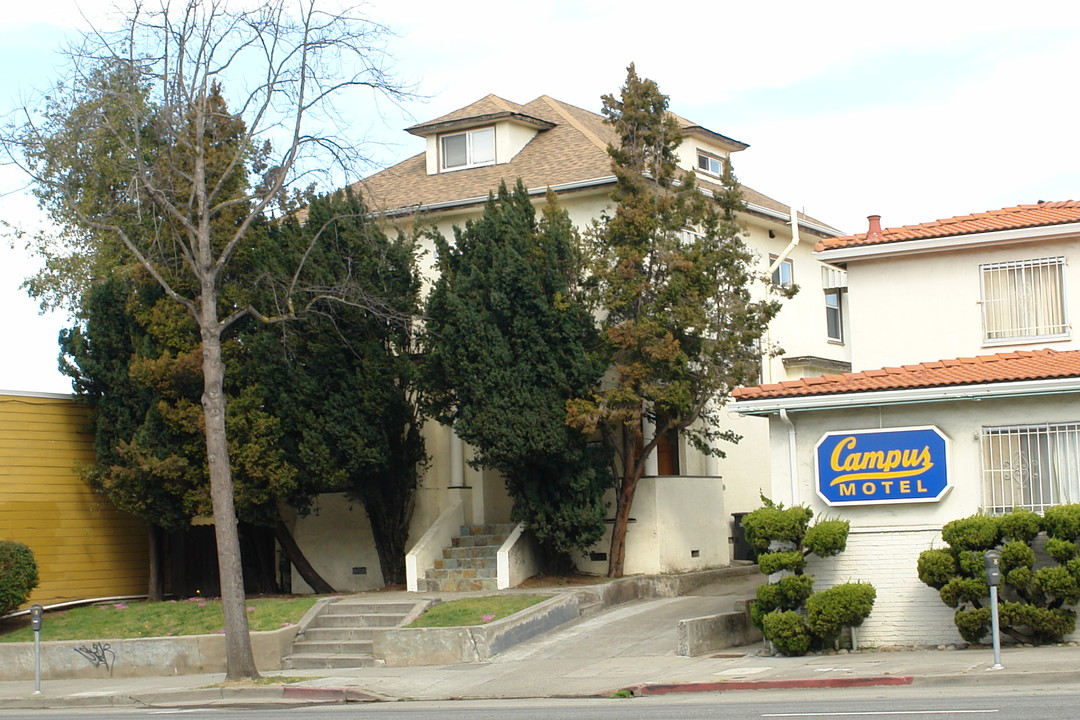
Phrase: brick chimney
(874,235)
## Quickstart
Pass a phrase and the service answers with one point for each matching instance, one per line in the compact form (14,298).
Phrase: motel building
(900,451)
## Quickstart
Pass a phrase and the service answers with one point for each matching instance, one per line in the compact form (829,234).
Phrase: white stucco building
(683,507)
(991,294)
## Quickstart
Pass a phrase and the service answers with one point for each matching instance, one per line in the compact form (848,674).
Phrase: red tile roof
(1011,218)
(1001,367)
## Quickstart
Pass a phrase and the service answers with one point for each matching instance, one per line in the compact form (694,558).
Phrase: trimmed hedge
(788,612)
(1034,604)
(18,575)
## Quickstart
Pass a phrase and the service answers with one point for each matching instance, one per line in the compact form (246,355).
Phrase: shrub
(1032,602)
(828,611)
(18,575)
(973,623)
(977,533)
(773,522)
(1020,525)
(936,567)
(793,561)
(1062,521)
(778,610)
(788,632)
(827,538)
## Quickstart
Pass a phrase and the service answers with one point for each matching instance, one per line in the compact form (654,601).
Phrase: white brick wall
(906,611)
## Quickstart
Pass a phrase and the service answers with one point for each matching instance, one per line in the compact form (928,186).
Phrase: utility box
(742,549)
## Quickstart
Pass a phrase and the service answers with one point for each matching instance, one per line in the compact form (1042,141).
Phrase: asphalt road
(1022,703)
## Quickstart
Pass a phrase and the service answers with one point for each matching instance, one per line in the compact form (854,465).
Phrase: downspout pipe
(791,245)
(793,466)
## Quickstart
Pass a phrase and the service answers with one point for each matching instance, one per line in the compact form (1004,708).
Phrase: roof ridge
(558,108)
(1044,363)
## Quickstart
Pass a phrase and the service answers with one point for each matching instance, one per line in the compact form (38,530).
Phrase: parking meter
(36,612)
(992,561)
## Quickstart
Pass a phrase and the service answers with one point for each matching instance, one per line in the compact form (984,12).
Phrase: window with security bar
(1024,299)
(1030,466)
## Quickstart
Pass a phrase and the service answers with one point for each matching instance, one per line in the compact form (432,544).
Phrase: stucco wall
(897,303)
(336,539)
(83,546)
(886,539)
(679,525)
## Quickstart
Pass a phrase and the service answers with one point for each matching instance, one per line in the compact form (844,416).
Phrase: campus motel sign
(872,467)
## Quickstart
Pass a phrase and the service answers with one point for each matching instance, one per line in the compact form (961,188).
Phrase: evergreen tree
(672,278)
(508,343)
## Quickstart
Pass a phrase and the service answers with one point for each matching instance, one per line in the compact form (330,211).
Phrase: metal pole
(37,662)
(994,623)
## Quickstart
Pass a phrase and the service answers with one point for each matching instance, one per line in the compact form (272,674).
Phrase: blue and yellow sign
(869,467)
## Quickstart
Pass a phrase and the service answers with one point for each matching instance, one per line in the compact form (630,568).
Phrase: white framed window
(784,274)
(834,316)
(1024,299)
(710,164)
(1030,466)
(471,148)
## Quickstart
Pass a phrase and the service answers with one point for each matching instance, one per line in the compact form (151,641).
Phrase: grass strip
(125,620)
(475,610)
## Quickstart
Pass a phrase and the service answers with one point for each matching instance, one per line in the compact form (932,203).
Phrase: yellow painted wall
(84,547)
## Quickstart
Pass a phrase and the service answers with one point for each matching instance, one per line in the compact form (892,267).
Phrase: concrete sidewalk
(631,647)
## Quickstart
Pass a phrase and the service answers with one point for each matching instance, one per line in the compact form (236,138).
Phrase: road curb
(722,686)
(332,694)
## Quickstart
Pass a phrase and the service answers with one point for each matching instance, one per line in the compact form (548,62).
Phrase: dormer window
(710,164)
(472,148)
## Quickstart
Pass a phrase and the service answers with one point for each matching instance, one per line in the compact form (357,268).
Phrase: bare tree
(174,135)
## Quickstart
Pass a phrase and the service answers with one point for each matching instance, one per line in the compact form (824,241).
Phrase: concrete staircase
(340,635)
(470,561)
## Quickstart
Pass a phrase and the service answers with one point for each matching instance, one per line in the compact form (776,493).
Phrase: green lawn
(192,616)
(476,610)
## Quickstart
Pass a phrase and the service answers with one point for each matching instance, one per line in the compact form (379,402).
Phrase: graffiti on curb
(98,654)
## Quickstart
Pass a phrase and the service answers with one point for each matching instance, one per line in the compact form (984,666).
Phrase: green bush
(936,567)
(973,623)
(18,575)
(977,533)
(793,561)
(827,538)
(962,590)
(1020,525)
(1033,602)
(828,611)
(1062,521)
(788,632)
(777,611)
(1017,554)
(1060,549)
(772,522)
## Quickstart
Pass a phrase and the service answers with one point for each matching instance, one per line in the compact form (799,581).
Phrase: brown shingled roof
(1010,218)
(573,150)
(983,369)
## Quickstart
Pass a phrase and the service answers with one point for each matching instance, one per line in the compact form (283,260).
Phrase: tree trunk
(624,500)
(155,586)
(299,560)
(239,659)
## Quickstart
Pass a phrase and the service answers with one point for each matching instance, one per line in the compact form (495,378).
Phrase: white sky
(914,111)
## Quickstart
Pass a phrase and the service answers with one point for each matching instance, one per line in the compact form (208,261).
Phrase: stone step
(357,621)
(333,634)
(340,647)
(353,607)
(466,562)
(447,585)
(503,529)
(478,541)
(487,551)
(461,573)
(316,662)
